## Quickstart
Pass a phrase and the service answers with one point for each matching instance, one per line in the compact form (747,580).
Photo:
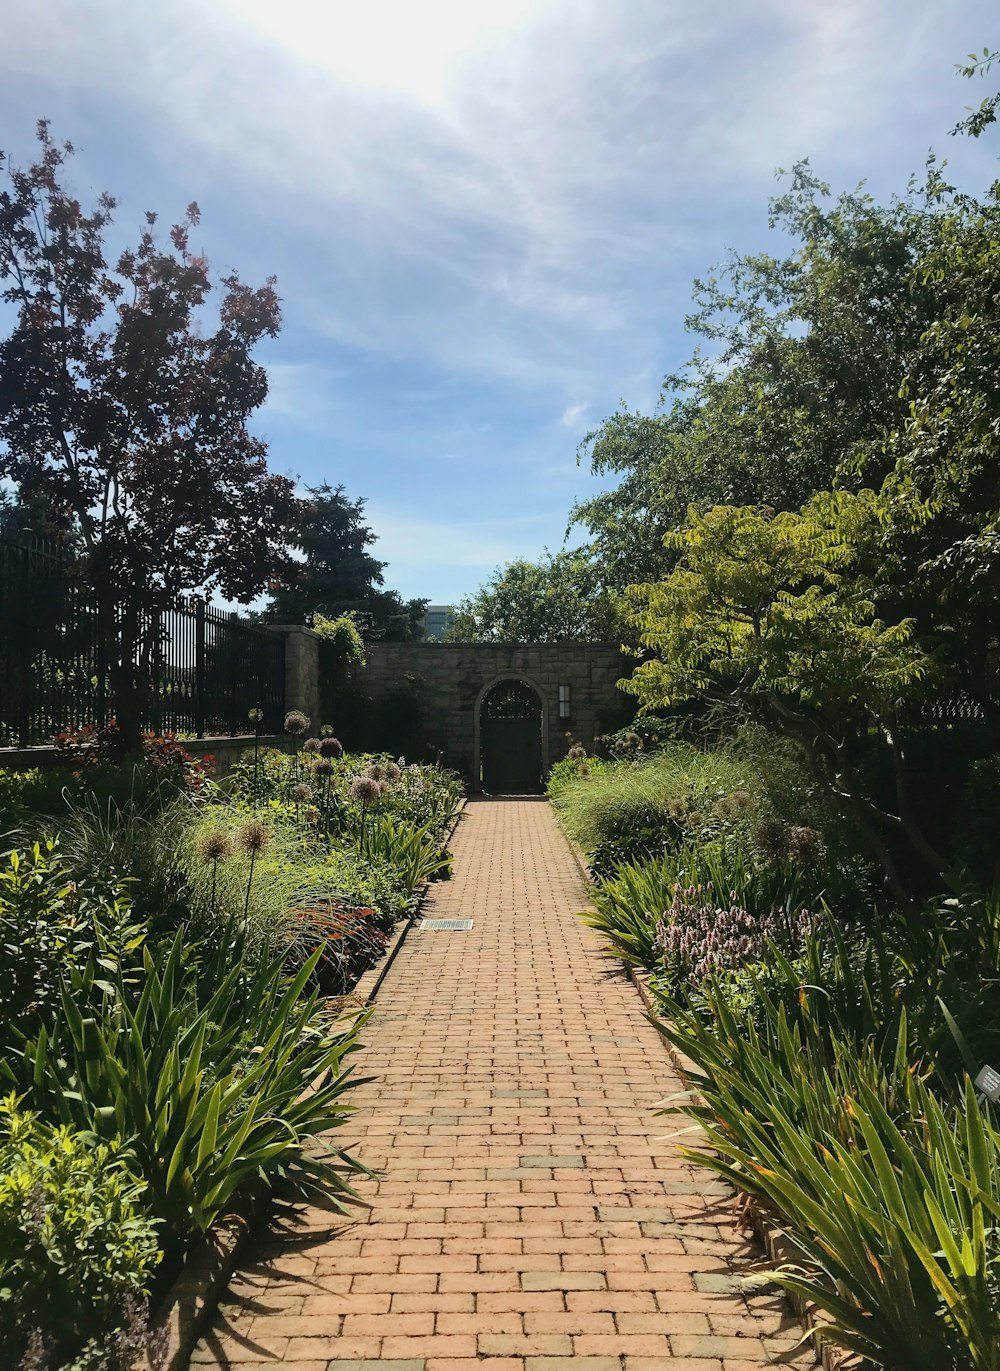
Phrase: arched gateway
(499,714)
(511,724)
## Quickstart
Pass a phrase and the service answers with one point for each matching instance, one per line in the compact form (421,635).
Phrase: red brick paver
(531,1208)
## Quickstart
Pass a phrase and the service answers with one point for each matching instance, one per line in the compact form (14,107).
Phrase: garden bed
(218,927)
(187,1309)
(830,1049)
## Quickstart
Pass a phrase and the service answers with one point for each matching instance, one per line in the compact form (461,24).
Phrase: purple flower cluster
(698,936)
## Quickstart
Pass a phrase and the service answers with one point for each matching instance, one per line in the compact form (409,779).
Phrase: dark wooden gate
(510,731)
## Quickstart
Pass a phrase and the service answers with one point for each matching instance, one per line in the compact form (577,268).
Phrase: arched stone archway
(442,686)
(511,736)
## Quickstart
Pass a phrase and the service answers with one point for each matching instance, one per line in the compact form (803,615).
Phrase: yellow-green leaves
(778,604)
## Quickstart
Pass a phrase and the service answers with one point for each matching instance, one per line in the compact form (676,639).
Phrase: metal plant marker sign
(988,1083)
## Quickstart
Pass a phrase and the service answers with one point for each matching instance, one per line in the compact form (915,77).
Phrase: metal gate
(510,731)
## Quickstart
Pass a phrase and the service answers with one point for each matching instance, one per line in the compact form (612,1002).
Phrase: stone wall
(447,681)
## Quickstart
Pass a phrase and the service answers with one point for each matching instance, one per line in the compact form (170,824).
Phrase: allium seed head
(365,790)
(577,752)
(331,747)
(312,745)
(392,772)
(253,837)
(323,768)
(805,845)
(302,793)
(296,722)
(376,771)
(771,837)
(214,846)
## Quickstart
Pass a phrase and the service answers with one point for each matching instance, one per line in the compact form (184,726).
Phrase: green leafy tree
(939,467)
(804,355)
(776,613)
(336,573)
(977,121)
(559,598)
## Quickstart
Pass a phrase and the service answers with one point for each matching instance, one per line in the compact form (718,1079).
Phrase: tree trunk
(129,684)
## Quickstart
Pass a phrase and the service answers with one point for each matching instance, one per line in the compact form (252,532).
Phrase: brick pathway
(532,1209)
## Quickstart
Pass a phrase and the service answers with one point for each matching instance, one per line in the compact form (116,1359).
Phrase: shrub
(34,800)
(645,734)
(51,925)
(222,1075)
(698,937)
(569,770)
(628,906)
(624,795)
(349,942)
(29,795)
(300,869)
(758,802)
(422,795)
(77,1247)
(130,843)
(162,755)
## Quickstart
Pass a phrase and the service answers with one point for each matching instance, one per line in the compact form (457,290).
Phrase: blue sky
(484,215)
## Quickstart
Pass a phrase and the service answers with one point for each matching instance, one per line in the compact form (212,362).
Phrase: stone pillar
(301,671)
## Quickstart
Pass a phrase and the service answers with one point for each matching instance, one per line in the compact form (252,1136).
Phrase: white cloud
(573,417)
(304,392)
(512,189)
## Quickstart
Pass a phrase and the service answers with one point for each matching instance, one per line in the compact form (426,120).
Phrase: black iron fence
(209,668)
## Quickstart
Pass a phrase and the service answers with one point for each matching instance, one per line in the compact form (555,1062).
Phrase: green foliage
(559,598)
(979,120)
(941,492)
(76,1244)
(676,792)
(634,902)
(977,822)
(890,1200)
(53,793)
(777,614)
(343,636)
(130,843)
(164,983)
(812,519)
(831,1086)
(568,771)
(806,351)
(50,926)
(298,871)
(628,905)
(220,1081)
(653,733)
(411,851)
(776,608)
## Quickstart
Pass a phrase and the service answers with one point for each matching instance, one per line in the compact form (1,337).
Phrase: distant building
(437,621)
